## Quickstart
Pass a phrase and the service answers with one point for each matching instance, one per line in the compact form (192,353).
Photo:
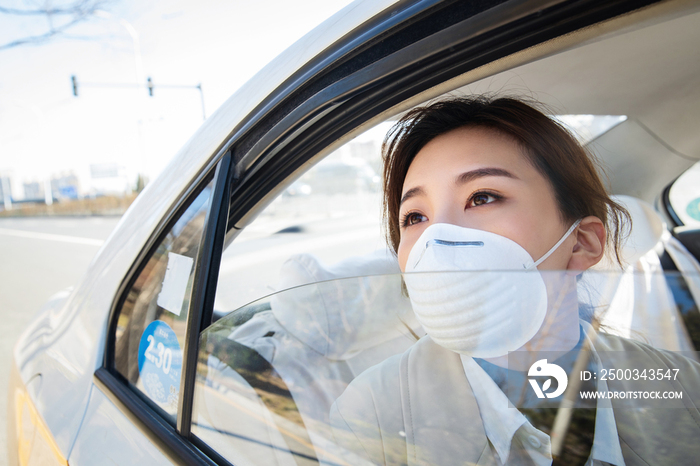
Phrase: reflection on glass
(278,364)
(342,372)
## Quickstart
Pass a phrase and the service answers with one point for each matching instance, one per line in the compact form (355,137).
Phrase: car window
(310,305)
(151,322)
(685,196)
(335,373)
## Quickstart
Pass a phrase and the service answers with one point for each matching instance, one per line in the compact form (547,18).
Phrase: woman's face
(479,178)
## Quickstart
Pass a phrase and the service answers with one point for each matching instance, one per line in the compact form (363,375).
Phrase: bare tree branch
(58,19)
(37,11)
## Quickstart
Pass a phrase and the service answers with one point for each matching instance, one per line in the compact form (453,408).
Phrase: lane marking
(51,237)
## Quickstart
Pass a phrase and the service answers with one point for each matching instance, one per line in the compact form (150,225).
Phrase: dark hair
(551,149)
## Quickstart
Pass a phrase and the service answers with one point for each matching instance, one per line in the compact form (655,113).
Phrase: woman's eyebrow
(472,175)
(418,190)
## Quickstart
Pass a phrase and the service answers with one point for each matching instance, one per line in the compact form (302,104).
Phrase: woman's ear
(590,244)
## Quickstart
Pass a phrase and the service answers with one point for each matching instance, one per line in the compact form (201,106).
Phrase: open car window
(321,373)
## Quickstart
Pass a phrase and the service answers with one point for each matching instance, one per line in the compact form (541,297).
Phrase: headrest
(339,316)
(647,230)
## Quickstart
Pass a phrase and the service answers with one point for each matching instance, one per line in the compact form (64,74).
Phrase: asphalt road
(39,257)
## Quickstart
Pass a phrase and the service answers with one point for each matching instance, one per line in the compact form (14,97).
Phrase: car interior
(309,296)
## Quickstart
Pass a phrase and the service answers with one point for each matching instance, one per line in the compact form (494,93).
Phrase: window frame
(388,60)
(162,432)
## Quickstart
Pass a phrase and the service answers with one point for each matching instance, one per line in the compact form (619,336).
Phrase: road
(38,257)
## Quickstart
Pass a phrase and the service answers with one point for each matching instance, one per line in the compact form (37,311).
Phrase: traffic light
(75,85)
(149,83)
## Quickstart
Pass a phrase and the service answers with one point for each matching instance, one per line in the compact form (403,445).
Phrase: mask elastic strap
(554,248)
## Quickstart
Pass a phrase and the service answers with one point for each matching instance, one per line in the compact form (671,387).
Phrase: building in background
(33,190)
(64,186)
(109,179)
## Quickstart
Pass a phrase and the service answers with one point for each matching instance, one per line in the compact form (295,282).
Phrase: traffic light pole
(149,85)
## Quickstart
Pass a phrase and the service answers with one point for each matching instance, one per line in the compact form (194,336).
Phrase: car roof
(646,71)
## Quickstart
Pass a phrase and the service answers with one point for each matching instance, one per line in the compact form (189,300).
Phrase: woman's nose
(451,217)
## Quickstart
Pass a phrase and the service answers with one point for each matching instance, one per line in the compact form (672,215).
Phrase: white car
(181,345)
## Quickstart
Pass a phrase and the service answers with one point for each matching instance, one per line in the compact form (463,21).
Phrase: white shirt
(503,423)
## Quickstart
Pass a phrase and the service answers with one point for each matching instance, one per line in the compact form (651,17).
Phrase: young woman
(494,210)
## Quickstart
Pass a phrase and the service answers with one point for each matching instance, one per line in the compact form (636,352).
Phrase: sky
(46,131)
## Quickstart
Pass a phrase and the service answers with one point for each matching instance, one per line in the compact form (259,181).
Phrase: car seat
(638,300)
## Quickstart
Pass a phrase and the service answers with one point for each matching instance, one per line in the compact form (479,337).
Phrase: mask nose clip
(443,242)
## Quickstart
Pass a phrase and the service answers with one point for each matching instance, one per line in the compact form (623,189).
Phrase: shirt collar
(501,421)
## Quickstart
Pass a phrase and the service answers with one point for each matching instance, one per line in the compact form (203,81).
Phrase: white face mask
(480,314)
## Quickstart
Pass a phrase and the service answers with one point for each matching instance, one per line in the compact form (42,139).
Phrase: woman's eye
(481,199)
(412,218)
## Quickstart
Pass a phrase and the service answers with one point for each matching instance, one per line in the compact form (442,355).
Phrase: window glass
(685,196)
(150,330)
(336,372)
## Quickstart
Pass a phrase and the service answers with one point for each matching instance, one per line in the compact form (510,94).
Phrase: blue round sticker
(160,363)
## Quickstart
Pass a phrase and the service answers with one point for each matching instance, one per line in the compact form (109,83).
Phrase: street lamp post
(138,62)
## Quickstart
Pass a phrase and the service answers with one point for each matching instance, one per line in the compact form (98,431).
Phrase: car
(227,312)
